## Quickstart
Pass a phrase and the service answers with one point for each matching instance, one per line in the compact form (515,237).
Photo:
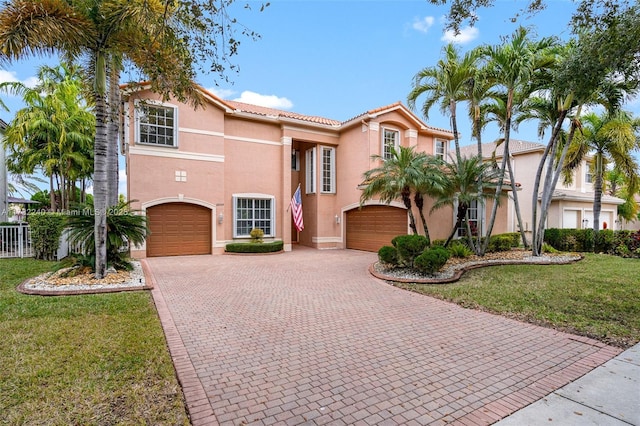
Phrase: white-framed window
(253,211)
(295,160)
(588,177)
(440,149)
(474,215)
(390,140)
(328,170)
(310,166)
(156,124)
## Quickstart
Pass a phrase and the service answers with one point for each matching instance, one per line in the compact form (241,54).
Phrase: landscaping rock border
(455,269)
(39,286)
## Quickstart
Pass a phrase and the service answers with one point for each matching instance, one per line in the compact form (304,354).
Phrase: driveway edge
(198,406)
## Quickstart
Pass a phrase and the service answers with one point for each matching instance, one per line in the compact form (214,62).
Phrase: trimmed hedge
(409,247)
(619,243)
(46,229)
(388,255)
(270,247)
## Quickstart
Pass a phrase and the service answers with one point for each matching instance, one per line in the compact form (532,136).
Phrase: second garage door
(372,227)
(178,229)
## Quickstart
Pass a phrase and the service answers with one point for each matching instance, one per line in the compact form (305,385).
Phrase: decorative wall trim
(173,153)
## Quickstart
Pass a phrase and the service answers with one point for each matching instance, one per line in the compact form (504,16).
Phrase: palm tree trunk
(52,194)
(597,188)
(462,211)
(454,127)
(419,200)
(406,199)
(548,155)
(112,134)
(512,178)
(100,185)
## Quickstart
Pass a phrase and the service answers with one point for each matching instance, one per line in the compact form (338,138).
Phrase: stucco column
(411,136)
(287,192)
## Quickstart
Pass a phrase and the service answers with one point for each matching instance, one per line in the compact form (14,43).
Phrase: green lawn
(90,360)
(598,296)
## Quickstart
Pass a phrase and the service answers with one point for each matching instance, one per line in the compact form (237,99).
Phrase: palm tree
(150,34)
(397,177)
(54,132)
(609,138)
(512,66)
(446,84)
(461,184)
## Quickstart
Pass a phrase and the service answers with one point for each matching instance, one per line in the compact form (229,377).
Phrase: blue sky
(338,58)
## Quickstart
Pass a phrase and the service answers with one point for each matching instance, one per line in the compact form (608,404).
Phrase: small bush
(546,248)
(409,247)
(604,241)
(270,247)
(501,242)
(257,235)
(46,229)
(388,255)
(431,260)
(460,250)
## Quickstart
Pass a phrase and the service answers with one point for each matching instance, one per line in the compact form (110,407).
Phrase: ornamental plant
(46,229)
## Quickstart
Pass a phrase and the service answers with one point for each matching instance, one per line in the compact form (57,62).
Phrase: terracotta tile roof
(393,106)
(515,146)
(572,194)
(272,112)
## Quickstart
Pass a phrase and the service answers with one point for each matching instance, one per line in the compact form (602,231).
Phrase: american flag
(296,210)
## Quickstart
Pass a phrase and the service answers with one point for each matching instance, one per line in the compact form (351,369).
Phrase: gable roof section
(276,113)
(516,147)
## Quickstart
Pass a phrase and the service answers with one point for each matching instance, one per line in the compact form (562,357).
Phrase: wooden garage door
(372,227)
(179,229)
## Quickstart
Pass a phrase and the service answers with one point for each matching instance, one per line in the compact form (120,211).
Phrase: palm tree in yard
(53,132)
(162,39)
(445,84)
(462,181)
(609,138)
(397,177)
(512,65)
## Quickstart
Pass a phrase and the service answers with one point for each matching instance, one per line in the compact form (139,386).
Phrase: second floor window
(440,150)
(588,177)
(157,125)
(390,141)
(328,170)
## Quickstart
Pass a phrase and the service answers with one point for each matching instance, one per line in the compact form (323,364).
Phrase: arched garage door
(178,229)
(372,227)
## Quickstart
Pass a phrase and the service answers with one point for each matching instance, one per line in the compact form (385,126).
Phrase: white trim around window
(390,138)
(156,124)
(440,149)
(254,211)
(310,170)
(328,170)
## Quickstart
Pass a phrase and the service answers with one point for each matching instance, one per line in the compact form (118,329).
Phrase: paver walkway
(309,337)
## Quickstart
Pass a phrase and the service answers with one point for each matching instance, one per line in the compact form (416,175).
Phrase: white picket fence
(15,241)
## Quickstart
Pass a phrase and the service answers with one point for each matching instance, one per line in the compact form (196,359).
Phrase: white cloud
(222,93)
(10,76)
(465,35)
(423,24)
(269,101)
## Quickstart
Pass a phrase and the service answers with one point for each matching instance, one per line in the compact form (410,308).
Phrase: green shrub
(124,227)
(388,255)
(431,260)
(409,247)
(546,248)
(46,229)
(604,241)
(500,242)
(460,250)
(515,238)
(256,235)
(270,247)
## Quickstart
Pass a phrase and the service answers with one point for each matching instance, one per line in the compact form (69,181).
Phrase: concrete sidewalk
(608,395)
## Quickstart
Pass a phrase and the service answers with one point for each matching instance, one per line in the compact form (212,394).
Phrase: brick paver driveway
(309,337)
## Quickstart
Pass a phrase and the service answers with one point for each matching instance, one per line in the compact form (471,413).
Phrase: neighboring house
(206,177)
(571,206)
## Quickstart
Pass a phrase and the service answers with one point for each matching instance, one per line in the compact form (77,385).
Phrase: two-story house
(208,176)
(571,205)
